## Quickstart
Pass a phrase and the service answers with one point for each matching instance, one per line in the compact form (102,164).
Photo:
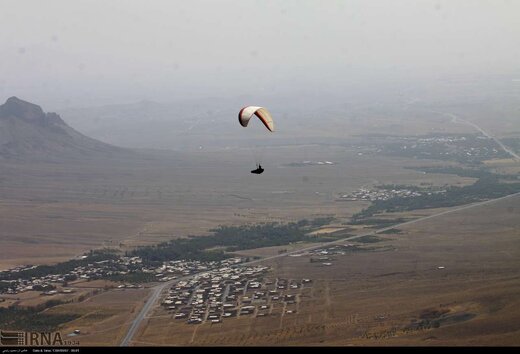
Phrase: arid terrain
(274,173)
(446,280)
(459,271)
(51,212)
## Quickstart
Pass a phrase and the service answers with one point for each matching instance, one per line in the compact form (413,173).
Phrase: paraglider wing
(245,114)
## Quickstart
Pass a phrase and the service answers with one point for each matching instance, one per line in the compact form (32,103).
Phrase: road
(385,229)
(455,119)
(152,299)
(156,291)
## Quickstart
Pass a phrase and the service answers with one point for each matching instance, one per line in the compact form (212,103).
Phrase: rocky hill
(27,132)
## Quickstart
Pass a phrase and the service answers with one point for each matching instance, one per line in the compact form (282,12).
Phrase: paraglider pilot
(259,170)
(244,116)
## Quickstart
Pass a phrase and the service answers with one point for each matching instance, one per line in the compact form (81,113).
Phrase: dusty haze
(64,54)
(396,153)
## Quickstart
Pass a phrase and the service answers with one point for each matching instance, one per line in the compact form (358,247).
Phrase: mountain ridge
(27,132)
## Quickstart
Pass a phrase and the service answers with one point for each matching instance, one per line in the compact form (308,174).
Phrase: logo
(13,338)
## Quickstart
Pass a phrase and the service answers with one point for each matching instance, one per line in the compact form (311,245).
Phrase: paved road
(322,245)
(152,299)
(455,119)
(156,291)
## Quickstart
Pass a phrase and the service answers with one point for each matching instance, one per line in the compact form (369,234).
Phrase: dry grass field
(389,293)
(53,212)
(74,291)
(104,318)
(398,293)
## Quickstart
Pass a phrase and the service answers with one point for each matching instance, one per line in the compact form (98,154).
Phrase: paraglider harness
(259,170)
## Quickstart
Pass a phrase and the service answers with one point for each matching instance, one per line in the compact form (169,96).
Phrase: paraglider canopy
(245,114)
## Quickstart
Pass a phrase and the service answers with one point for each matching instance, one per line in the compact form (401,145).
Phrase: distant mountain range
(207,122)
(28,133)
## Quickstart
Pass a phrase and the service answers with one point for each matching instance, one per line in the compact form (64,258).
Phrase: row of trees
(33,319)
(228,239)
(61,268)
(487,187)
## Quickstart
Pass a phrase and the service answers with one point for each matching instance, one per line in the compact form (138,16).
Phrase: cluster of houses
(311,163)
(172,269)
(453,146)
(47,283)
(325,255)
(115,266)
(382,194)
(227,292)
(444,147)
(203,292)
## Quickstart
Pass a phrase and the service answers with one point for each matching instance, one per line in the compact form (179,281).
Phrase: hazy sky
(63,51)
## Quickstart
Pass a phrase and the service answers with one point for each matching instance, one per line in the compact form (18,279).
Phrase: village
(103,269)
(365,194)
(311,163)
(213,296)
(202,291)
(458,147)
(469,148)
